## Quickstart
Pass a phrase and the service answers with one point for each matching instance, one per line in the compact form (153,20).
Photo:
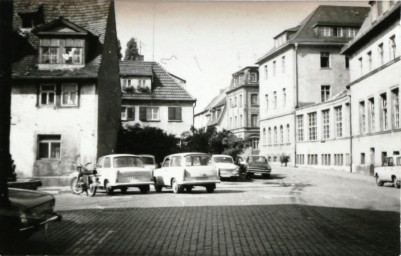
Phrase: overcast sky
(205,42)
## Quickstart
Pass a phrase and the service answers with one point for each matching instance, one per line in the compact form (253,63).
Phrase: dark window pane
(43,150)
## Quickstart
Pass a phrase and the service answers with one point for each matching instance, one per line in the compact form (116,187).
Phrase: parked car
(185,171)
(149,161)
(258,165)
(390,171)
(30,211)
(121,171)
(225,166)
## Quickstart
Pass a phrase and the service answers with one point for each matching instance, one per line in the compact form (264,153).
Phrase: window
(350,32)
(69,95)
(47,94)
(393,47)
(49,146)
(312,126)
(254,99)
(326,159)
(326,123)
(371,114)
(275,100)
(288,133)
(325,92)
(254,78)
(324,59)
(175,114)
(325,31)
(267,101)
(300,128)
(384,112)
(362,158)
(362,117)
(339,121)
(381,53)
(61,51)
(312,159)
(338,159)
(31,19)
(148,113)
(275,135)
(369,60)
(269,138)
(274,68)
(240,100)
(283,64)
(235,101)
(396,107)
(49,55)
(127,113)
(264,136)
(339,32)
(254,120)
(266,72)
(255,143)
(284,97)
(281,134)
(346,62)
(360,65)
(300,159)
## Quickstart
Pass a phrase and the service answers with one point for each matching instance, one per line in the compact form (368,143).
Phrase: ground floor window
(300,159)
(255,143)
(127,113)
(339,159)
(326,159)
(149,114)
(312,159)
(49,146)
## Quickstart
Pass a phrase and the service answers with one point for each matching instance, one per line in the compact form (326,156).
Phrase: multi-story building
(243,105)
(214,114)
(152,97)
(304,67)
(65,85)
(375,66)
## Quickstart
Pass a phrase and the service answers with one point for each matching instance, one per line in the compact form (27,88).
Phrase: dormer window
(30,20)
(61,51)
(254,78)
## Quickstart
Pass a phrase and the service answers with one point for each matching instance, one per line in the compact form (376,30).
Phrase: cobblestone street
(292,213)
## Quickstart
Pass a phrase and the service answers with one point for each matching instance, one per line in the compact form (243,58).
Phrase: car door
(99,169)
(175,170)
(161,173)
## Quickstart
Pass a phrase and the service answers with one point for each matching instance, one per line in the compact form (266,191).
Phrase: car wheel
(75,188)
(124,190)
(158,188)
(210,188)
(396,183)
(92,190)
(189,189)
(378,181)
(176,188)
(109,189)
(144,189)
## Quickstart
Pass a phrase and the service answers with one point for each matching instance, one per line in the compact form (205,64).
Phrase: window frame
(41,91)
(300,127)
(49,141)
(127,113)
(324,60)
(63,92)
(339,121)
(326,123)
(179,119)
(312,125)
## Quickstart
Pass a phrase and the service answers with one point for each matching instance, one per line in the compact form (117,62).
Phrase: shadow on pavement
(219,230)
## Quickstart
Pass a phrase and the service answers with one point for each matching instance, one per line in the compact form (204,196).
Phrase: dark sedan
(258,165)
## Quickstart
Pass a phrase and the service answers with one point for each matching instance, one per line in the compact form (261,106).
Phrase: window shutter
(142,113)
(171,113)
(179,115)
(131,113)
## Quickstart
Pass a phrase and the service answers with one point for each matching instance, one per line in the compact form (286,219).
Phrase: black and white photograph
(200,128)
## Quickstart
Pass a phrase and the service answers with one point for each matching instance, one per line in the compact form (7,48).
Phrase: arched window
(269,138)
(264,136)
(275,135)
(281,134)
(288,133)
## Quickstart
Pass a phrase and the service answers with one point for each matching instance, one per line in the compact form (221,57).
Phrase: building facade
(214,114)
(375,87)
(151,97)
(243,105)
(305,67)
(65,91)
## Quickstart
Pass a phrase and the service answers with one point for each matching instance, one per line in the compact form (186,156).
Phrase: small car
(121,171)
(149,161)
(29,211)
(185,171)
(258,165)
(390,171)
(225,166)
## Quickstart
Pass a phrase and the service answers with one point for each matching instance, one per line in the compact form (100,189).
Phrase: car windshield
(257,159)
(388,161)
(197,160)
(223,159)
(147,160)
(127,161)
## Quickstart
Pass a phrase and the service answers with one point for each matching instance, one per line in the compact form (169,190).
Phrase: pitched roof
(217,101)
(164,87)
(127,68)
(324,15)
(88,15)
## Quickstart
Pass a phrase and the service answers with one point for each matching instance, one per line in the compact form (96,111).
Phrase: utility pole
(6,19)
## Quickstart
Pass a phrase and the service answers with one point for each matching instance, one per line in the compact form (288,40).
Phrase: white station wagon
(186,170)
(389,172)
(226,167)
(122,171)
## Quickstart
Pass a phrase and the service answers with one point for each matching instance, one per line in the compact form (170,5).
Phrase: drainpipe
(295,103)
(350,135)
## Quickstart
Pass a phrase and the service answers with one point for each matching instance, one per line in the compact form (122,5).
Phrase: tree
(147,140)
(132,52)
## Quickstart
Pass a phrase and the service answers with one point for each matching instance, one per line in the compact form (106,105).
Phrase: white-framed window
(351,32)
(369,60)
(61,51)
(255,143)
(254,77)
(288,133)
(281,134)
(324,59)
(396,107)
(284,97)
(264,136)
(371,114)
(283,64)
(300,127)
(274,99)
(384,111)
(326,123)
(393,47)
(274,68)
(325,92)
(312,126)
(49,146)
(275,134)
(240,100)
(339,121)
(69,94)
(380,53)
(149,114)
(50,55)
(254,120)
(339,32)
(127,113)
(362,117)
(175,114)
(267,101)
(269,138)
(47,95)
(325,31)
(266,72)
(254,99)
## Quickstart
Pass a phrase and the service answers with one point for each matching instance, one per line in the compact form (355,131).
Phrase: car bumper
(199,182)
(227,175)
(132,184)
(55,217)
(259,172)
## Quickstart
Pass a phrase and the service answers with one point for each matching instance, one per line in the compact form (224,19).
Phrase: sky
(205,42)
